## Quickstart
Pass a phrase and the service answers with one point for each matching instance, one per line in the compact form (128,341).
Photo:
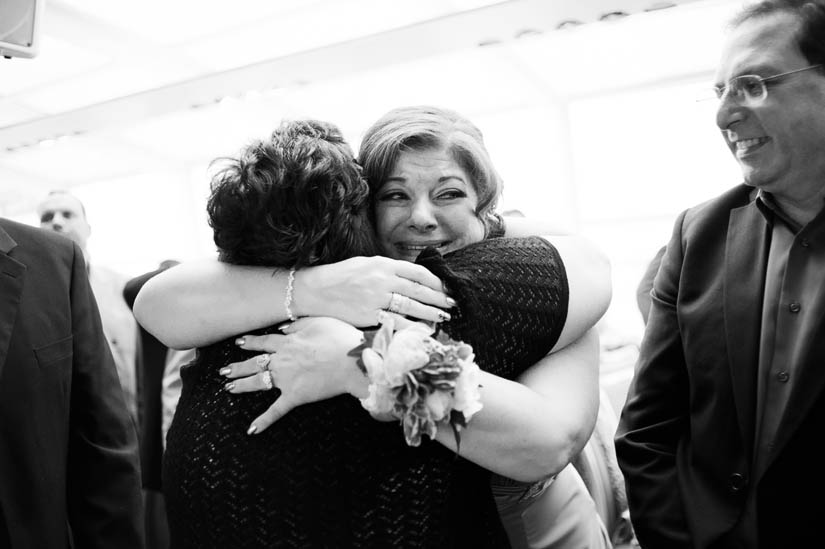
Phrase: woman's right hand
(203,301)
(357,289)
(310,361)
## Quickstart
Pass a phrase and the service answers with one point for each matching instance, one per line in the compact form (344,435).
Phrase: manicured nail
(240,341)
(228,386)
(252,429)
(451,302)
(225,371)
(284,325)
(443,317)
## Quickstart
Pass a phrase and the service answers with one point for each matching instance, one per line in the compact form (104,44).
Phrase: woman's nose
(422,216)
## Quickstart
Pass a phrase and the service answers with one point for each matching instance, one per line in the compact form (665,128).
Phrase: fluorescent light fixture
(20,27)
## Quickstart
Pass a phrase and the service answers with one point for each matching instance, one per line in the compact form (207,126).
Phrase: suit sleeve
(646,284)
(655,415)
(103,487)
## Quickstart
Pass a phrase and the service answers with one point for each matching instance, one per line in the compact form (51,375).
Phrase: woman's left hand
(308,363)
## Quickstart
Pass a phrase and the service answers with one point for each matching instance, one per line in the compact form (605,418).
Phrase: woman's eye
(392,195)
(451,194)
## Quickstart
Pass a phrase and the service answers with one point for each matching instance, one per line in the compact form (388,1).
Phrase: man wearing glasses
(719,434)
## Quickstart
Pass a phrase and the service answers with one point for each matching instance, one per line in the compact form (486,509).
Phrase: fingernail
(252,429)
(451,302)
(240,341)
(283,326)
(443,317)
(225,371)
(229,386)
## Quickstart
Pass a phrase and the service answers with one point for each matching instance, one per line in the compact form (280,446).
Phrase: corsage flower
(420,379)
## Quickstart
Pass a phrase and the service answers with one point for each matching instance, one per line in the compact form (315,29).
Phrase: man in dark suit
(723,422)
(68,450)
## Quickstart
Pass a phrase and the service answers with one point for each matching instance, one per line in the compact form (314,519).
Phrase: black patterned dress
(327,475)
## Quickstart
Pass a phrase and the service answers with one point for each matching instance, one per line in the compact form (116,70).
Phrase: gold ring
(396,302)
(381,316)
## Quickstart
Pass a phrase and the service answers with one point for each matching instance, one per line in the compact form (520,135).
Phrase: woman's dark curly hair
(295,200)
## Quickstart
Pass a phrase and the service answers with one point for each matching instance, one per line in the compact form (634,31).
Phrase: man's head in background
(63,213)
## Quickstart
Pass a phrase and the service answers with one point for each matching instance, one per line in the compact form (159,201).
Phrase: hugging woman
(327,474)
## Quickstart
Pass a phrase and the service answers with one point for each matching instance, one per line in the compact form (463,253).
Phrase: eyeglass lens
(746,87)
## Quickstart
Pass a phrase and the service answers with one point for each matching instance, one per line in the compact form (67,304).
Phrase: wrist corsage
(420,379)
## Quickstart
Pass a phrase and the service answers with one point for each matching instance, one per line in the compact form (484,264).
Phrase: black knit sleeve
(512,296)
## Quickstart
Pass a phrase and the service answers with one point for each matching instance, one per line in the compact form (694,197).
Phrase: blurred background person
(158,368)
(172,385)
(63,213)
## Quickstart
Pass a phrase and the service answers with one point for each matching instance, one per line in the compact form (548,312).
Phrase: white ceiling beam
(492,24)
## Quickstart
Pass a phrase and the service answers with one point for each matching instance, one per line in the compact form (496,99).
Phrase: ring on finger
(266,377)
(262,361)
(397,302)
(381,316)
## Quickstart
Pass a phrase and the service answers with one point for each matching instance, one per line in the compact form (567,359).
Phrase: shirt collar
(7,243)
(771,211)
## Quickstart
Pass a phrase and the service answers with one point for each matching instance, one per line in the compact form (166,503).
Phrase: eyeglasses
(750,88)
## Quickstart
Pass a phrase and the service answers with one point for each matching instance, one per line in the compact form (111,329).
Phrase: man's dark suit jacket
(68,449)
(686,436)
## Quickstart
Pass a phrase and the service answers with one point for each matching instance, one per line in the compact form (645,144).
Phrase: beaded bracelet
(290,281)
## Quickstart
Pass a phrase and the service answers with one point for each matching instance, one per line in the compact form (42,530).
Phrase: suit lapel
(12,275)
(745,260)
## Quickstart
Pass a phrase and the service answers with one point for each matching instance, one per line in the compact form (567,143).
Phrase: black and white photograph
(431,274)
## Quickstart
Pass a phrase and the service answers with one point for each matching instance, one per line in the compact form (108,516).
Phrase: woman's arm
(588,273)
(563,386)
(201,302)
(531,428)
(527,430)
(589,282)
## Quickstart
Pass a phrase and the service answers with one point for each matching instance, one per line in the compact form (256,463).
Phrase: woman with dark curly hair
(326,474)
(293,200)
(296,199)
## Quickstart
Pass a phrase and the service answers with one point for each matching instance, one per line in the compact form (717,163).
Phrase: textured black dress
(327,474)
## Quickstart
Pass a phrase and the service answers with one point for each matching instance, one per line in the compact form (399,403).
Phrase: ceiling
(127,88)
